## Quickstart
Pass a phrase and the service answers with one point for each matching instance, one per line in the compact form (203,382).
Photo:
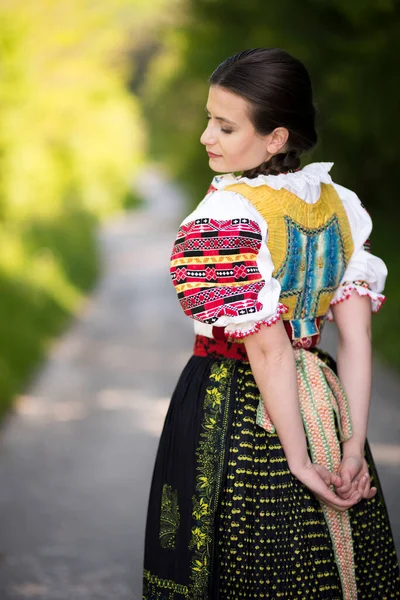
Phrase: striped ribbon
(321,398)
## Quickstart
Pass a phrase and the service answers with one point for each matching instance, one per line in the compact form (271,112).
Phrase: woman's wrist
(298,464)
(354,446)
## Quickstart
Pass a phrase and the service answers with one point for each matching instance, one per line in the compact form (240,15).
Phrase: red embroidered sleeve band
(243,330)
(362,288)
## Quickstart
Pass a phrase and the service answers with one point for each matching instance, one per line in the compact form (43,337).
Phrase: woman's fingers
(372,492)
(345,477)
(320,481)
(336,480)
(329,497)
(346,495)
(332,500)
(368,492)
(348,491)
(363,485)
(327,503)
(326,476)
(350,469)
(352,484)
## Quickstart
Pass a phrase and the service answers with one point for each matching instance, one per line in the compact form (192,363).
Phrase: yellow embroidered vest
(310,246)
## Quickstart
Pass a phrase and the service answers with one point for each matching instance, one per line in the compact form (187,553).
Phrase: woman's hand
(318,479)
(354,475)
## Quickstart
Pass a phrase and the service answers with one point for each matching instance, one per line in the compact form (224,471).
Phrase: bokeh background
(101,110)
(90,91)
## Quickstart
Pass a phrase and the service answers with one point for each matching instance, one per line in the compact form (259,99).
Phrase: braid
(279,163)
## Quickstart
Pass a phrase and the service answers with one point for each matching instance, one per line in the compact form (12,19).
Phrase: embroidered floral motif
(153,583)
(210,456)
(169,517)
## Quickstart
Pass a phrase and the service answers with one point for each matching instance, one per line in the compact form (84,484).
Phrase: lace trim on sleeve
(362,288)
(244,329)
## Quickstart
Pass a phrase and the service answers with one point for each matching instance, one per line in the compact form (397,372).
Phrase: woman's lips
(212,155)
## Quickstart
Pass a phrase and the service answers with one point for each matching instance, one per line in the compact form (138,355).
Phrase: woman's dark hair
(279,91)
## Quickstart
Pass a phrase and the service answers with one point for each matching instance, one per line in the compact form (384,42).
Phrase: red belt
(205,346)
(219,346)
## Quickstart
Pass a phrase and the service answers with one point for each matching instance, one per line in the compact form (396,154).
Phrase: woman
(264,485)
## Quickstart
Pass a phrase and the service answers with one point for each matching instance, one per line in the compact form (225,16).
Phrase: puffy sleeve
(365,274)
(222,269)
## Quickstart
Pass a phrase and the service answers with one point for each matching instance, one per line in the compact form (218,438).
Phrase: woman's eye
(222,129)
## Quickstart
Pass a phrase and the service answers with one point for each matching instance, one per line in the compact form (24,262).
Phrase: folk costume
(227,519)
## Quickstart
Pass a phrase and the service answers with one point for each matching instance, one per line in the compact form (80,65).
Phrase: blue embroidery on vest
(314,264)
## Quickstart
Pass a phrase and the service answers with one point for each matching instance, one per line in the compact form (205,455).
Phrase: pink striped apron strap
(322,397)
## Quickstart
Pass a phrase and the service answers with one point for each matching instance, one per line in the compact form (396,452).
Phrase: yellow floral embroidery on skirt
(169,518)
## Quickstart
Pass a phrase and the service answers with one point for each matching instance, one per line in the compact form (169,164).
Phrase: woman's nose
(207,138)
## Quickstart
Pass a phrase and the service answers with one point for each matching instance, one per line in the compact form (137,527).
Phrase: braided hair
(278,89)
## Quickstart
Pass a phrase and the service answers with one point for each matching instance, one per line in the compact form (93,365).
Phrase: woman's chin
(217,168)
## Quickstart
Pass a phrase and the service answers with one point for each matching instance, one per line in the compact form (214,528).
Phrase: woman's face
(230,139)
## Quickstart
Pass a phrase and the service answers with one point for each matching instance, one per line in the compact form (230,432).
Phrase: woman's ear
(277,140)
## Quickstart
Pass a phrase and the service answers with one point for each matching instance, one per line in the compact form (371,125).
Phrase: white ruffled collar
(298,182)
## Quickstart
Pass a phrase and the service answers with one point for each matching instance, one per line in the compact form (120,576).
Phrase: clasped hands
(351,482)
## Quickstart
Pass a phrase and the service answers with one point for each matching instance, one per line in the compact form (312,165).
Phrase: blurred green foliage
(72,139)
(47,265)
(81,82)
(351,50)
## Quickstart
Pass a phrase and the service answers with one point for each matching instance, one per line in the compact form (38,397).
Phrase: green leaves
(72,138)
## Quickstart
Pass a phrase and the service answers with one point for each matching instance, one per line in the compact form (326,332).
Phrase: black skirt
(226,518)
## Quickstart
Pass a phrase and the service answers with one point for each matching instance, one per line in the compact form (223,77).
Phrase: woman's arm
(353,320)
(272,362)
(273,365)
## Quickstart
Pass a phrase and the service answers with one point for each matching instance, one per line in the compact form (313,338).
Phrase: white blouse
(306,184)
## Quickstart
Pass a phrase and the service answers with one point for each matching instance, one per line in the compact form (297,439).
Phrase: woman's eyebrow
(220,118)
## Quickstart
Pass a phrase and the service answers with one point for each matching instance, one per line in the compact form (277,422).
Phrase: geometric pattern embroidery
(214,268)
(314,266)
(322,398)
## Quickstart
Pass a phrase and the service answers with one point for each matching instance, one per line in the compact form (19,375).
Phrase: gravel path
(77,453)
